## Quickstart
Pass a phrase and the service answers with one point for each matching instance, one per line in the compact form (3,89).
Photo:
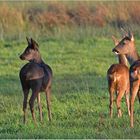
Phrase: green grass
(80,97)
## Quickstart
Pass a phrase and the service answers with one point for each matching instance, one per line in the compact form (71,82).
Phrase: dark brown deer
(37,76)
(118,75)
(127,47)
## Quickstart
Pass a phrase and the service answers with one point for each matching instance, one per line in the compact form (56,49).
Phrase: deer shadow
(62,84)
(73,83)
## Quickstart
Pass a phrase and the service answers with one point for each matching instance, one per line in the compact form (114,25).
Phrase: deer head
(125,45)
(31,52)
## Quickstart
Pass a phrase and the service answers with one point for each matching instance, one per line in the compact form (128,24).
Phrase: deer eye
(28,51)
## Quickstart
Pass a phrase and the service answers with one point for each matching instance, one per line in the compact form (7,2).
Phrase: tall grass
(18,19)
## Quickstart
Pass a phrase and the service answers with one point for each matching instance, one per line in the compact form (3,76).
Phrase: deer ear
(132,37)
(116,42)
(28,40)
(34,44)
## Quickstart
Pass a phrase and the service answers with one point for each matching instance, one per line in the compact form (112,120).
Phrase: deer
(127,47)
(37,76)
(118,75)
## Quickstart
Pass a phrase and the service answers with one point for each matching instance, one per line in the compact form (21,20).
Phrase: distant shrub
(11,20)
(15,21)
(134,12)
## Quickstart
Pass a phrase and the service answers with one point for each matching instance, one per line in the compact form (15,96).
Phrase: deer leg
(111,92)
(118,102)
(139,95)
(48,98)
(39,107)
(134,90)
(26,92)
(127,102)
(31,103)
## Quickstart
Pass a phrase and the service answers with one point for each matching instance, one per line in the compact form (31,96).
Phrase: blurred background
(67,19)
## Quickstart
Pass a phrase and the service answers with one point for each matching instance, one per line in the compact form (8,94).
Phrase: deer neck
(38,59)
(122,60)
(132,56)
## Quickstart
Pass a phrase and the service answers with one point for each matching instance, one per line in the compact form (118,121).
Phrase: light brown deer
(118,75)
(127,47)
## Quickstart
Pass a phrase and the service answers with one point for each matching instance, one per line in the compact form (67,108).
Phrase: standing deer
(127,47)
(118,75)
(37,76)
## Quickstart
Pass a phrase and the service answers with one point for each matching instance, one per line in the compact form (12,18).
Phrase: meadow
(80,57)
(80,97)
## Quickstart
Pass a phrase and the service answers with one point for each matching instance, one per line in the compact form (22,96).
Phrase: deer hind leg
(127,102)
(134,90)
(48,100)
(111,92)
(31,103)
(39,107)
(26,92)
(118,102)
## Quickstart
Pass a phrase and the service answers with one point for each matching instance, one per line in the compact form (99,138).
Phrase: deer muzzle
(22,57)
(115,51)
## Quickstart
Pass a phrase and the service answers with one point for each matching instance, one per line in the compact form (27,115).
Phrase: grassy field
(80,97)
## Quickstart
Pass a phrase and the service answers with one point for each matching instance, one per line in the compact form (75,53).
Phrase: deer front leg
(134,90)
(26,92)
(139,95)
(39,107)
(48,98)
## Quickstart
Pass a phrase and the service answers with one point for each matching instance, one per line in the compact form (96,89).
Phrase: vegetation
(79,97)
(79,56)
(43,19)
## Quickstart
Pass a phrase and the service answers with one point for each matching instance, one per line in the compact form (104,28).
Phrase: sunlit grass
(79,93)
